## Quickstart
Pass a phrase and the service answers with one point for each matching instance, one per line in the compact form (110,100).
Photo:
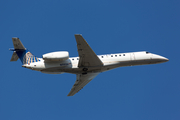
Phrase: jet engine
(56,56)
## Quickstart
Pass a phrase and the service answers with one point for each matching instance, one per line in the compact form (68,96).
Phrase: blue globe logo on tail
(29,58)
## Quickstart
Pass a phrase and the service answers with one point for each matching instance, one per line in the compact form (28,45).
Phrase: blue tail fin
(24,55)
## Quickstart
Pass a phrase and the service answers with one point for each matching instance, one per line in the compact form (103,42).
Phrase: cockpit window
(147,52)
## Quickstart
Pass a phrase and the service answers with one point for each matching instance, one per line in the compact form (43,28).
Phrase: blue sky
(149,92)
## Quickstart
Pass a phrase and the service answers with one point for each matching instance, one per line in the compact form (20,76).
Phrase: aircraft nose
(164,59)
(160,58)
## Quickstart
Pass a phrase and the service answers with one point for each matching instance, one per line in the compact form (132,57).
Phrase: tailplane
(14,57)
(22,53)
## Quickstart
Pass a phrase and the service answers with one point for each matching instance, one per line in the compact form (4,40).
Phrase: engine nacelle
(56,56)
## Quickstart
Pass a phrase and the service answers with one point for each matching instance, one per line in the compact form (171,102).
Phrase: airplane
(86,67)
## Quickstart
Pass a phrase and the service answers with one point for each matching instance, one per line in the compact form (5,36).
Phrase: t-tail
(20,52)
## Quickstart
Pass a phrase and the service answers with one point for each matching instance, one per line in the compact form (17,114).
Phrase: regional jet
(86,66)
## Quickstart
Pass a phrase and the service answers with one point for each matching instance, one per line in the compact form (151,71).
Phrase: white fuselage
(110,61)
(86,67)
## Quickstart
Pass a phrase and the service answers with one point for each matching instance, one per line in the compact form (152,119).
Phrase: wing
(82,80)
(87,56)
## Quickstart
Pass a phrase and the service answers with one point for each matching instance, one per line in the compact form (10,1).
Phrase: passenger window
(111,55)
(72,59)
(115,55)
(77,58)
(102,56)
(119,55)
(124,54)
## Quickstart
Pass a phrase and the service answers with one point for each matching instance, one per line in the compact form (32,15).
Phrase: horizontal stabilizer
(14,56)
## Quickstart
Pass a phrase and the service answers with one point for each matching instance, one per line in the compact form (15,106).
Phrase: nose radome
(161,58)
(164,59)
